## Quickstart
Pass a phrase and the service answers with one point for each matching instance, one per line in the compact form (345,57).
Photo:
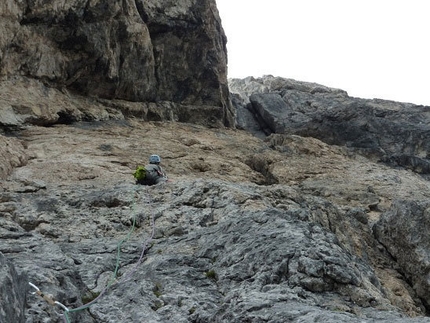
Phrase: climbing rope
(50,299)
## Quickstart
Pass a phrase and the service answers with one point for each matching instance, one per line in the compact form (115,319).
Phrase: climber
(152,173)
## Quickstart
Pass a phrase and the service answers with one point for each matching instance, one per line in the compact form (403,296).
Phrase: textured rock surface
(403,230)
(12,154)
(226,247)
(299,223)
(13,291)
(158,51)
(394,132)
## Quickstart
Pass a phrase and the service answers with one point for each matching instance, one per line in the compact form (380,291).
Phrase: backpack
(140,173)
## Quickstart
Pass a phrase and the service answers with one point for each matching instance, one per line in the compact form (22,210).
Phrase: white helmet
(154,159)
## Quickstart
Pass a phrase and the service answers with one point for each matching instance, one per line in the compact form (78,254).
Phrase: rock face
(403,231)
(293,220)
(275,230)
(140,51)
(12,154)
(13,288)
(393,132)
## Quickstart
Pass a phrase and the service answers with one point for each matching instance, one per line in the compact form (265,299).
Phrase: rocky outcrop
(12,154)
(403,231)
(126,50)
(13,288)
(245,230)
(215,245)
(389,131)
(299,222)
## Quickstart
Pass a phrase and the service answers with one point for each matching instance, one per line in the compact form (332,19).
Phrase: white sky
(369,48)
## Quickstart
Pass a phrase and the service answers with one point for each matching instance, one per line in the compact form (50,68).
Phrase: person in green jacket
(152,173)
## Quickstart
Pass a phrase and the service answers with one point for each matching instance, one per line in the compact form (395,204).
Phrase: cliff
(286,201)
(170,56)
(282,229)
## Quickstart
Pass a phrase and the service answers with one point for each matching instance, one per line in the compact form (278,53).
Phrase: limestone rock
(389,131)
(129,50)
(298,221)
(245,230)
(12,155)
(403,231)
(14,289)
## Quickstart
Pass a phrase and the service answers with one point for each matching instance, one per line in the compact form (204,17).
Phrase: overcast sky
(369,48)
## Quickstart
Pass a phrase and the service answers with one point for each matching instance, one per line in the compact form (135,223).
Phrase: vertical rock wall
(132,50)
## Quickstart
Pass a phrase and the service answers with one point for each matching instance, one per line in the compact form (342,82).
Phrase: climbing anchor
(48,298)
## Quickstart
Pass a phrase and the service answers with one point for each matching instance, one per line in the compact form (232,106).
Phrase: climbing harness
(50,299)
